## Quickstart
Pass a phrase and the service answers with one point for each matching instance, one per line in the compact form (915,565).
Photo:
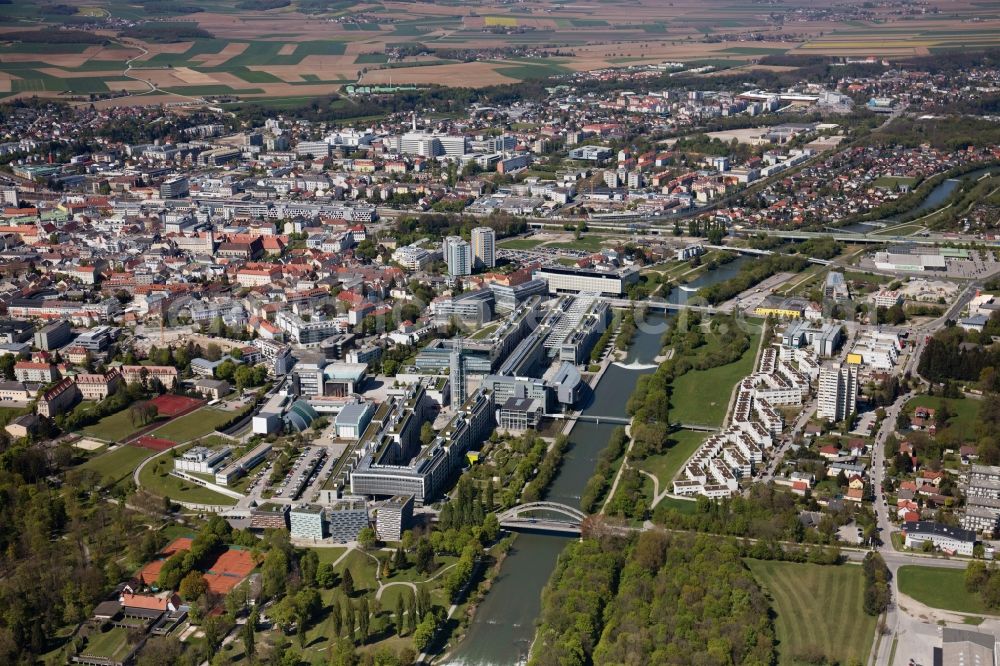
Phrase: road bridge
(524,517)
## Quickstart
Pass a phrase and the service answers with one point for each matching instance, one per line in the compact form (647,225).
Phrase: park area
(701,397)
(819,611)
(664,466)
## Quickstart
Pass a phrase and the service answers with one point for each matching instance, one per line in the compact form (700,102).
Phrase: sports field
(818,611)
(194,425)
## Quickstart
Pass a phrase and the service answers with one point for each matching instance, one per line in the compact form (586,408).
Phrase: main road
(894,559)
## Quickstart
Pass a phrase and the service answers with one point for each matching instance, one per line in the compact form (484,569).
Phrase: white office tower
(484,247)
(458,255)
(838,392)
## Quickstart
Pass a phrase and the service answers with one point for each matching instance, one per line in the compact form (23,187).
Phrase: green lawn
(194,425)
(329,554)
(113,428)
(965,411)
(585,243)
(362,570)
(664,466)
(674,504)
(702,396)
(156,478)
(118,464)
(940,588)
(817,607)
(112,643)
(520,243)
(894,181)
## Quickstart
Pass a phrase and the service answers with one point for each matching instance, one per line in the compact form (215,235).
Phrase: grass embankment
(818,610)
(113,466)
(114,427)
(940,588)
(156,478)
(702,396)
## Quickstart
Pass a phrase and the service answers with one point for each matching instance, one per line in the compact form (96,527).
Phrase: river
(504,625)
(933,200)
(681,294)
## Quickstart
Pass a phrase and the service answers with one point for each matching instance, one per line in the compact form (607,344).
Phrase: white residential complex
(717,465)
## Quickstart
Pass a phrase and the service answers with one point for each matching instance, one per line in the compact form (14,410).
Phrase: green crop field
(539,70)
(194,425)
(940,588)
(118,464)
(702,396)
(817,608)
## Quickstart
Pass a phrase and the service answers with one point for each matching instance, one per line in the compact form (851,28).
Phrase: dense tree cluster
(752,274)
(686,600)
(984,579)
(573,603)
(877,589)
(600,482)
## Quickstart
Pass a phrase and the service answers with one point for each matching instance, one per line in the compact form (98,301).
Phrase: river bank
(502,630)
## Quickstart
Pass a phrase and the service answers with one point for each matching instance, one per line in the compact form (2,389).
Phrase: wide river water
(504,626)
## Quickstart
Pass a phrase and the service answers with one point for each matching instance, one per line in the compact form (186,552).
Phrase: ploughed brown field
(287,52)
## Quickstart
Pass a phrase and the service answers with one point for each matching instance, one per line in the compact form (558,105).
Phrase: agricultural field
(818,610)
(308,48)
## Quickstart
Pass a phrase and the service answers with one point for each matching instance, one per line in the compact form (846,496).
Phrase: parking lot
(303,468)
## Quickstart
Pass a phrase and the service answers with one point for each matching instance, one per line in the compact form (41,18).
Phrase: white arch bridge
(559,518)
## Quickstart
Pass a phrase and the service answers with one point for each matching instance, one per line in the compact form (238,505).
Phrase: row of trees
(752,274)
